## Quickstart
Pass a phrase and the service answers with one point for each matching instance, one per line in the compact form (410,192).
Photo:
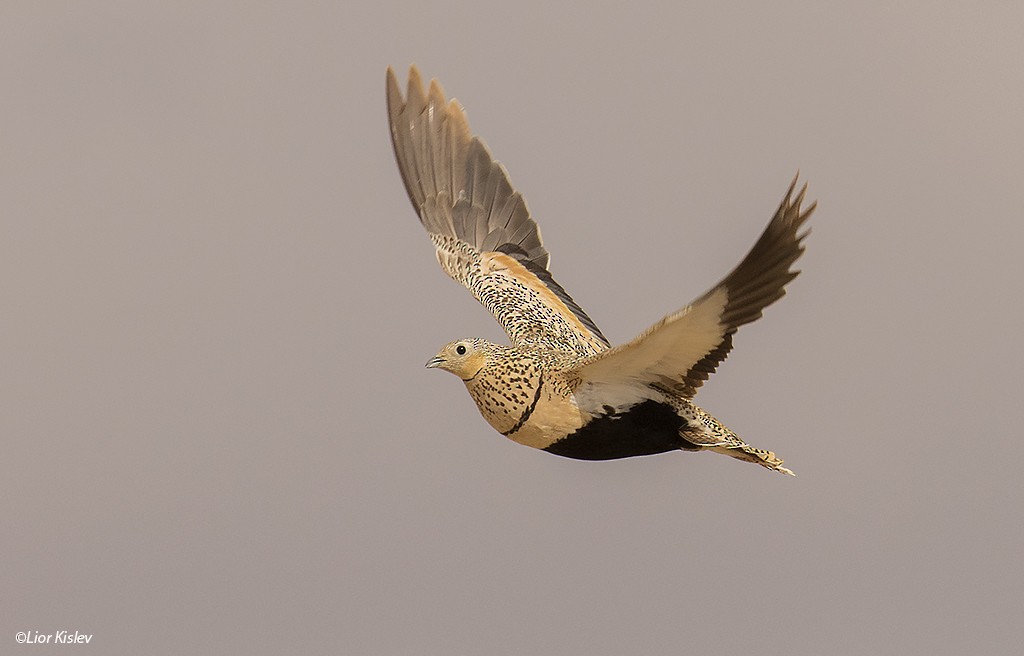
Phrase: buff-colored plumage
(560,386)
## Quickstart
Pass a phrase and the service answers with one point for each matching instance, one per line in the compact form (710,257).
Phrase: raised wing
(683,349)
(480,225)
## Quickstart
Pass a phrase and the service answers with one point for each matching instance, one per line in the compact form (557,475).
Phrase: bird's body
(560,386)
(534,397)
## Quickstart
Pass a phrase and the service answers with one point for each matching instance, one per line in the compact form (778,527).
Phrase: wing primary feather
(415,104)
(401,130)
(686,347)
(465,200)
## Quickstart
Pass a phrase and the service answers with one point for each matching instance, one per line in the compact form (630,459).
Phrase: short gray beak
(435,362)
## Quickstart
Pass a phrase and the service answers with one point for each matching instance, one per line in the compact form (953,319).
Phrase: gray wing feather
(457,188)
(438,157)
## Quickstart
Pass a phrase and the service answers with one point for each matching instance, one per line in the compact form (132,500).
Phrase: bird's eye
(461,349)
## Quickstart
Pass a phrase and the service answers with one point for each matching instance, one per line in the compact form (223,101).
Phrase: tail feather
(761,457)
(704,432)
(716,437)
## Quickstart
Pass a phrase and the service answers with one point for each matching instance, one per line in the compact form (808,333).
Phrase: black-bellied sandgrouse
(560,386)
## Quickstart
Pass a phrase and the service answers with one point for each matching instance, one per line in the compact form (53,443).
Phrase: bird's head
(464,357)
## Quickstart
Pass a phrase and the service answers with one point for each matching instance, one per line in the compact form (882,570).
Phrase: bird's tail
(748,453)
(716,437)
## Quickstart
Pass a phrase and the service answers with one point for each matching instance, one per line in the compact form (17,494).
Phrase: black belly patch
(645,429)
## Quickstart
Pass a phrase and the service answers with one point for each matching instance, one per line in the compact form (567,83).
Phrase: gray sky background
(218,434)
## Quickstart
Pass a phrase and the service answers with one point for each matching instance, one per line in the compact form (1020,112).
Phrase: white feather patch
(593,397)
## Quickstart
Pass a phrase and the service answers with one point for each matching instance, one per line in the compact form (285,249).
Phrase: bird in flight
(560,386)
